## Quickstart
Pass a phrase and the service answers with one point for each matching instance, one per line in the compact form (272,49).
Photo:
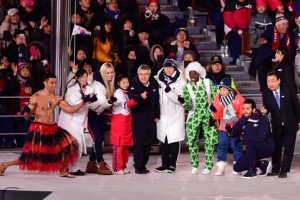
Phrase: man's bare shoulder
(58,98)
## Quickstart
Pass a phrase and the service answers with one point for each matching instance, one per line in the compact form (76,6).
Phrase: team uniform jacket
(237,15)
(254,129)
(172,114)
(121,120)
(237,103)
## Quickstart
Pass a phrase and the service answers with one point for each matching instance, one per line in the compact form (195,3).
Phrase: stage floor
(181,185)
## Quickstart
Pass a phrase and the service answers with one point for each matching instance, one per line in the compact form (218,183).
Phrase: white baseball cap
(12,11)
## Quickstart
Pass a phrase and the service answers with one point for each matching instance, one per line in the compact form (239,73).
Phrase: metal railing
(15,116)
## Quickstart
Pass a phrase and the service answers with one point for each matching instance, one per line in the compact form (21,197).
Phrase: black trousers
(262,69)
(96,127)
(288,140)
(255,151)
(170,153)
(141,155)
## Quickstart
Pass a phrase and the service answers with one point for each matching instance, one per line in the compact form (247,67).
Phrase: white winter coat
(75,123)
(172,114)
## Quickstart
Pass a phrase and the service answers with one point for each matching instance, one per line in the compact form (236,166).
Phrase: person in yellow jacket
(103,51)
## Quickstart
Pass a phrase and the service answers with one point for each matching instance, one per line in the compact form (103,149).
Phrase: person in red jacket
(227,108)
(121,126)
(237,15)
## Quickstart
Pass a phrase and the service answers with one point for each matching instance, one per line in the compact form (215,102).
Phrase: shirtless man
(48,147)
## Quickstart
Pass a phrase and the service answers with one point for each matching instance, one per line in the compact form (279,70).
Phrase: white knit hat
(195,66)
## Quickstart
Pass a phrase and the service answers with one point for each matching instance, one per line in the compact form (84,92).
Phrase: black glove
(237,141)
(167,89)
(86,99)
(211,122)
(112,56)
(26,108)
(212,108)
(180,99)
(94,98)
(160,58)
(112,100)
(228,130)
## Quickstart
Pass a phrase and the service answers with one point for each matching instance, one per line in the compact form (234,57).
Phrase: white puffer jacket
(172,115)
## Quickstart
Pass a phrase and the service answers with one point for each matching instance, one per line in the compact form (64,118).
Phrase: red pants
(120,157)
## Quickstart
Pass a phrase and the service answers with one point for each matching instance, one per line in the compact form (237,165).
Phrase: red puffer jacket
(237,103)
(237,15)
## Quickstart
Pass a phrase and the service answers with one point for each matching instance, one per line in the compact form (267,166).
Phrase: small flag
(78,30)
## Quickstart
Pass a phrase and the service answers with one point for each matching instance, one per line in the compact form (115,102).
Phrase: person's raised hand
(263,110)
(144,95)
(14,68)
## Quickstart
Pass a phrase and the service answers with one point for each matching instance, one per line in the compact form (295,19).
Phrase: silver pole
(59,44)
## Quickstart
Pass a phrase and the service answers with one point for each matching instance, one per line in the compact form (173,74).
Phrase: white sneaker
(120,172)
(221,168)
(194,170)
(126,170)
(206,172)
(236,173)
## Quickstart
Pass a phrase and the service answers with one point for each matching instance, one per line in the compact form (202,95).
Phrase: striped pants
(120,158)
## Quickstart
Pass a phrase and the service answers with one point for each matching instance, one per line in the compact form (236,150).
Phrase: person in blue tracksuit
(253,129)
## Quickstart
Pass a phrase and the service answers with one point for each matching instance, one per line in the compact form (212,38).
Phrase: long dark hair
(105,35)
(78,74)
(119,78)
(286,56)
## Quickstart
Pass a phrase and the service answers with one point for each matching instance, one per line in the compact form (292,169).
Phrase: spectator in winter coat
(183,43)
(285,68)
(155,20)
(216,71)
(21,84)
(144,116)
(237,14)
(103,50)
(129,64)
(126,33)
(11,23)
(188,56)
(253,129)
(171,126)
(227,109)
(271,40)
(157,56)
(259,22)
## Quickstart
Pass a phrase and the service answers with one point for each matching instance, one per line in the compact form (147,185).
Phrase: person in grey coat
(259,22)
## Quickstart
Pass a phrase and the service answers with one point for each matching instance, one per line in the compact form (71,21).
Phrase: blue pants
(255,151)
(223,145)
(96,127)
(235,45)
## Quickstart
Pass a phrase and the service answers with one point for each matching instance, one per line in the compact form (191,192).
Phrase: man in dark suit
(144,116)
(283,104)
